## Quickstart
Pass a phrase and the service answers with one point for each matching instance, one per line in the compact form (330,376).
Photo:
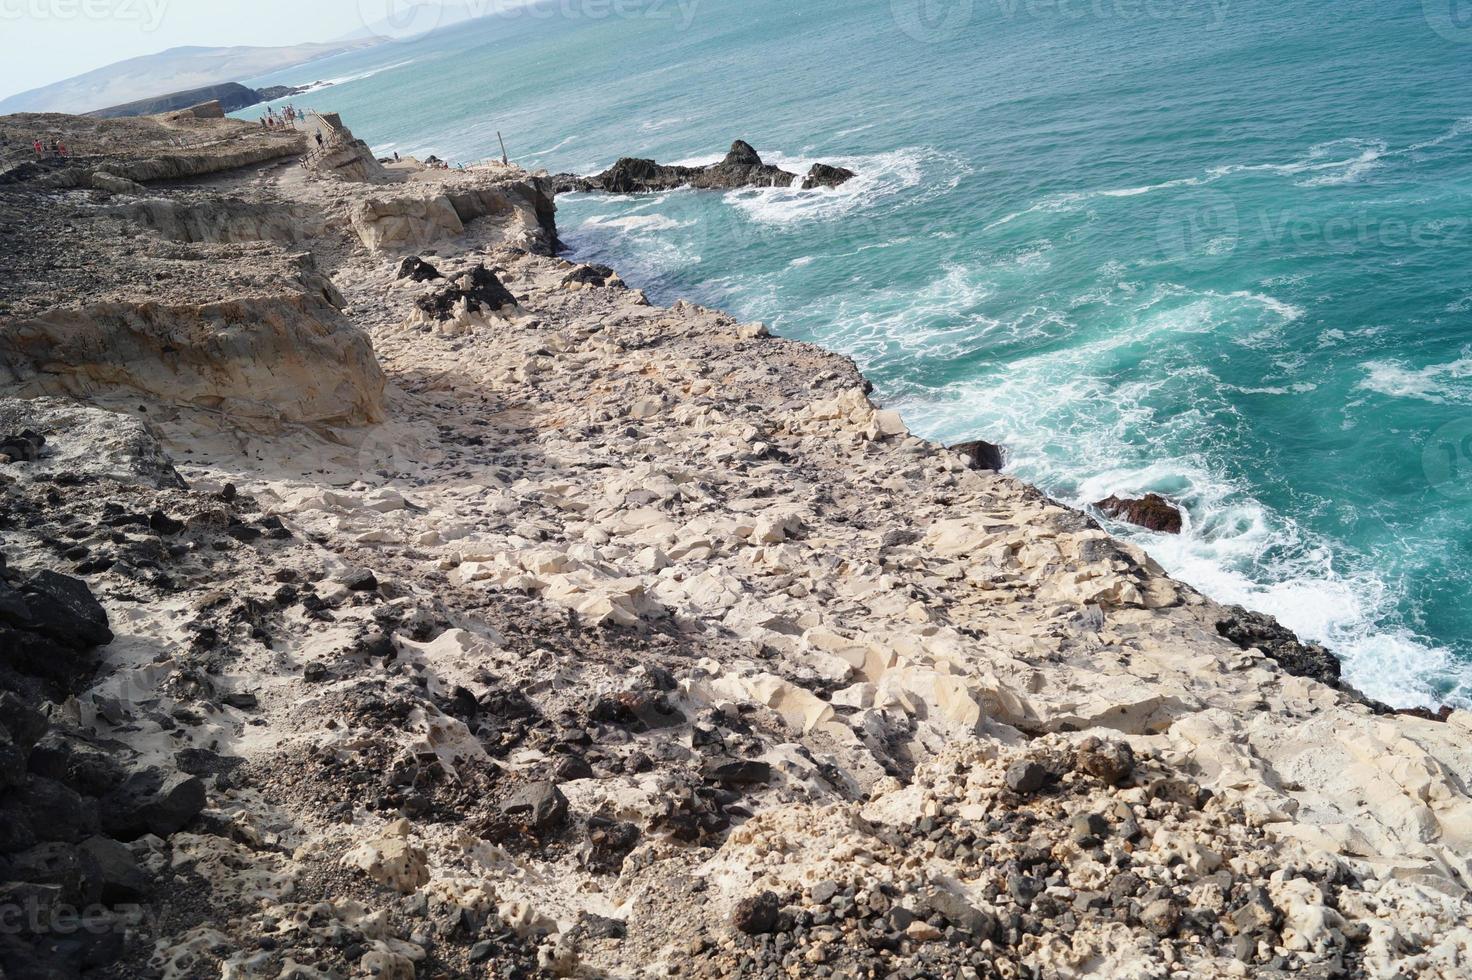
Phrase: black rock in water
(741,154)
(823,175)
(1152,512)
(741,167)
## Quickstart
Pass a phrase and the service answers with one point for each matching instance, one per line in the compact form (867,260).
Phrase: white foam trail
(920,173)
(366,74)
(1436,383)
(1071,429)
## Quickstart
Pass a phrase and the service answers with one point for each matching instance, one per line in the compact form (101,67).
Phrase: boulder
(53,811)
(741,154)
(1109,762)
(64,865)
(1026,777)
(391,860)
(1151,511)
(151,801)
(23,447)
(63,609)
(757,914)
(70,758)
(540,807)
(119,878)
(474,294)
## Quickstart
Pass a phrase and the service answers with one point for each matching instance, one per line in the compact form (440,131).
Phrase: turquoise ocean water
(1221,250)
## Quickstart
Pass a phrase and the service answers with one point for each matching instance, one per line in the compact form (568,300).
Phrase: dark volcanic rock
(1026,777)
(741,167)
(1151,511)
(72,759)
(981,455)
(24,446)
(59,608)
(739,773)
(417,269)
(54,812)
(479,289)
(1250,629)
(741,154)
(540,806)
(119,877)
(592,275)
(152,801)
(823,175)
(756,915)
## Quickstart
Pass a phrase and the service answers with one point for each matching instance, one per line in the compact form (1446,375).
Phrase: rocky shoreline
(386,596)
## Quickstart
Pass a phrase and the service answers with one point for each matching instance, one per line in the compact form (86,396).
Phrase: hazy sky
(44,41)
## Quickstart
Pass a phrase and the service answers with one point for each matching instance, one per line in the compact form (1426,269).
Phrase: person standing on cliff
(40,149)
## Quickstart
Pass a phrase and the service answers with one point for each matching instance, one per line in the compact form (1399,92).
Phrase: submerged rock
(1151,511)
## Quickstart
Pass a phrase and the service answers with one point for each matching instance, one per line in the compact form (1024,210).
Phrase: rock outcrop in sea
(385,595)
(741,167)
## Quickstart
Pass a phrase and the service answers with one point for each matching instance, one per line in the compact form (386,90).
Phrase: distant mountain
(174,70)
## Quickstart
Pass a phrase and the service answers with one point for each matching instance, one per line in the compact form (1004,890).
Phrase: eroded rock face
(229,220)
(1152,512)
(522,208)
(259,362)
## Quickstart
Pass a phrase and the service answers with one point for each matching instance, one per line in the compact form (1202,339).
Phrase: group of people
(57,148)
(286,120)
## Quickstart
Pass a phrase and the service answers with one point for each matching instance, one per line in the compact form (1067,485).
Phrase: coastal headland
(385,594)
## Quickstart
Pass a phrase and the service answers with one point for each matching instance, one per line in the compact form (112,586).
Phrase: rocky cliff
(387,596)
